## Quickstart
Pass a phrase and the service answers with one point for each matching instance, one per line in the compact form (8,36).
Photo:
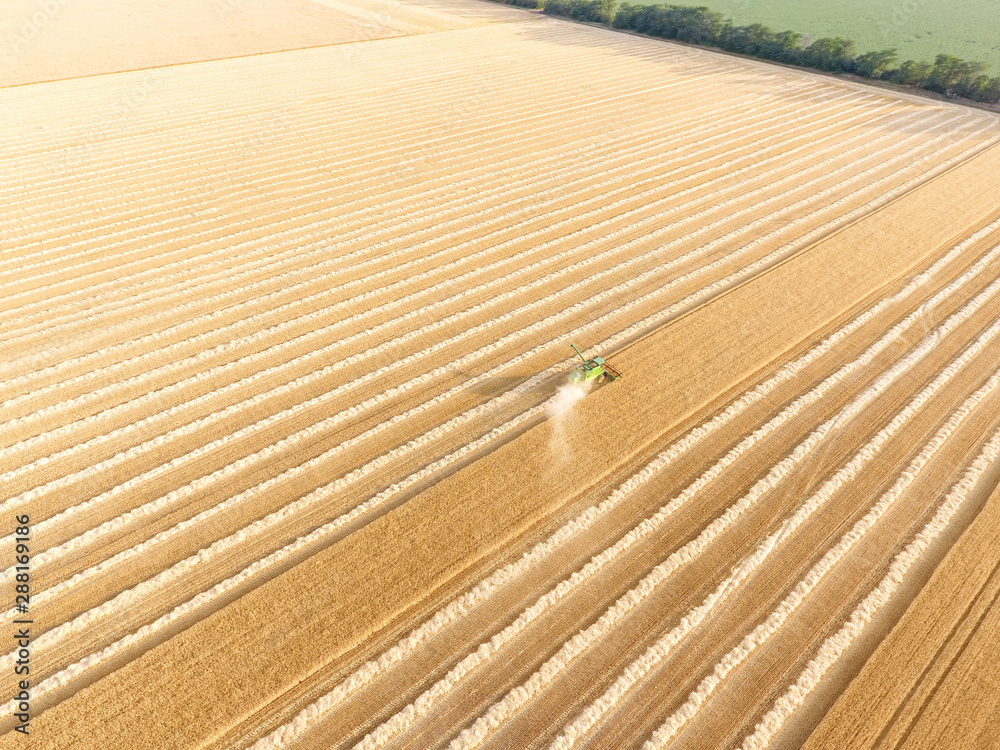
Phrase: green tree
(625,16)
(607,9)
(785,46)
(835,54)
(953,76)
(698,25)
(875,64)
(748,40)
(911,73)
(991,91)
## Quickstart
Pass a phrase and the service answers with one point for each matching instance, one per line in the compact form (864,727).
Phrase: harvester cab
(592,370)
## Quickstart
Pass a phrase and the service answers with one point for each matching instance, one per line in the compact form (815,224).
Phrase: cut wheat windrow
(301,344)
(479,595)
(498,713)
(834,646)
(271,267)
(650,524)
(771,627)
(395,269)
(550,276)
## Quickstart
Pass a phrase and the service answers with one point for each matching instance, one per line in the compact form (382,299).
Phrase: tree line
(948,75)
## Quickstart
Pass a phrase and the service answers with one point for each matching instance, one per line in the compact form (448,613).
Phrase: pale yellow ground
(277,333)
(48,40)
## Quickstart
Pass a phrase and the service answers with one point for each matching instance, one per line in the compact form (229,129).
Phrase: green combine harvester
(591,370)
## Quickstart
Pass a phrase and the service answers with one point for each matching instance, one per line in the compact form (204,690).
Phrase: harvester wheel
(602,377)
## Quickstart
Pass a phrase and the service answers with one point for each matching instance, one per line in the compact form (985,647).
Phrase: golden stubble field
(279,335)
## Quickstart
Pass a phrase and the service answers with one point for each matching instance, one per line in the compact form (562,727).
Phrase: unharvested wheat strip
(835,645)
(313,280)
(422,705)
(480,593)
(653,656)
(179,568)
(407,250)
(541,165)
(574,104)
(317,315)
(228,470)
(487,724)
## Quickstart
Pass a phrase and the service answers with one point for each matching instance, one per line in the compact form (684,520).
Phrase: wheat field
(281,333)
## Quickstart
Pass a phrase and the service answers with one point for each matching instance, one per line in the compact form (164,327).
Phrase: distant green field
(919,29)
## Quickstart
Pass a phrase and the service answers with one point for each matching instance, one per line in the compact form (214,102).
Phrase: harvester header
(592,370)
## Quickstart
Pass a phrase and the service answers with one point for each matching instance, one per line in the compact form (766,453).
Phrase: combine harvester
(591,370)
